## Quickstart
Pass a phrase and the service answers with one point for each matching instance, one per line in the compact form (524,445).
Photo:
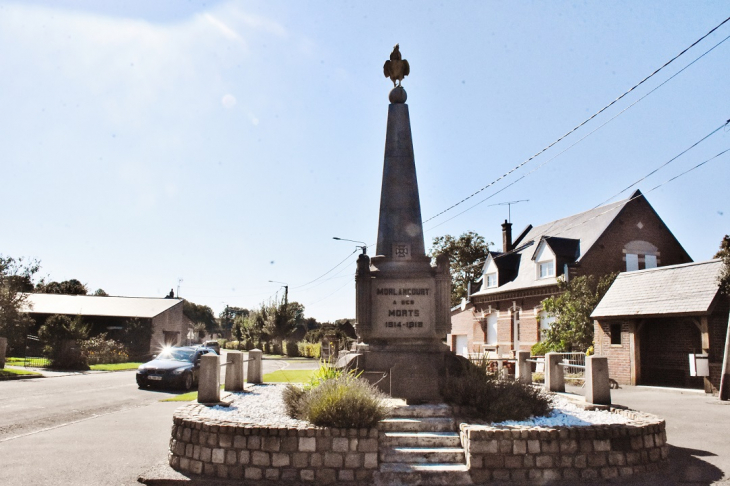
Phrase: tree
(59,336)
(724,254)
(228,316)
(283,319)
(100,293)
(465,255)
(724,283)
(16,277)
(136,336)
(572,329)
(67,287)
(200,314)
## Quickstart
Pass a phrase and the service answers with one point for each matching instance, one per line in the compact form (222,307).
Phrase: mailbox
(699,365)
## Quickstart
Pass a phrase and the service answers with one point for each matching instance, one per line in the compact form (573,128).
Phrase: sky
(214,146)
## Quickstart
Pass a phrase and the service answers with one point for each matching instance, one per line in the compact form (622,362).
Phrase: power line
(581,139)
(327,272)
(666,163)
(581,124)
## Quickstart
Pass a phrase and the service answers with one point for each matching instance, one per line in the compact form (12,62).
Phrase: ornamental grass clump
(487,398)
(334,398)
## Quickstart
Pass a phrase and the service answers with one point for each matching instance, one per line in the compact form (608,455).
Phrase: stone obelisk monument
(403,301)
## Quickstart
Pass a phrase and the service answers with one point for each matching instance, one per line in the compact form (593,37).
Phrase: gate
(34,353)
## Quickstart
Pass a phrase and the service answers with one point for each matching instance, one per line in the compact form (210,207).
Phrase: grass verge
(9,374)
(115,366)
(289,376)
(281,376)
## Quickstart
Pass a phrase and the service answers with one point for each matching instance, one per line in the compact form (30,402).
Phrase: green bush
(488,398)
(60,335)
(540,349)
(100,350)
(310,350)
(292,350)
(344,402)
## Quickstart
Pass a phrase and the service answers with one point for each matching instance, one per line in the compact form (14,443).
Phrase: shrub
(540,349)
(292,350)
(99,349)
(344,402)
(309,350)
(59,336)
(487,398)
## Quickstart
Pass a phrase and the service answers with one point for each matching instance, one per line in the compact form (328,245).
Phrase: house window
(546,269)
(546,321)
(650,261)
(616,334)
(492,280)
(632,262)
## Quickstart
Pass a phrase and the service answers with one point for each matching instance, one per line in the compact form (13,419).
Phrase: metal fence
(34,353)
(574,367)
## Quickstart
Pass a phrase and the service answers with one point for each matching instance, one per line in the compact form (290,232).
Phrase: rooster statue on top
(396,69)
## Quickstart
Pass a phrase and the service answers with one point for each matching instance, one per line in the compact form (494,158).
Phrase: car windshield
(177,354)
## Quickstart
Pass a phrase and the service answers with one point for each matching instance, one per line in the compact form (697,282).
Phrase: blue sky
(226,143)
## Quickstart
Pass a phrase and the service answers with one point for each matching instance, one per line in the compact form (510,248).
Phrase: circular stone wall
(524,453)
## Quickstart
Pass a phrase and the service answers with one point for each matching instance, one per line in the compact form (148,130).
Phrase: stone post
(234,371)
(597,385)
(523,372)
(3,347)
(209,379)
(254,366)
(554,375)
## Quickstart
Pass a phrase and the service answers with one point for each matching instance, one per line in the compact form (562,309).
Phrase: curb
(20,377)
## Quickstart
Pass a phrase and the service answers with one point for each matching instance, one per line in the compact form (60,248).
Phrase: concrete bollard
(3,347)
(597,384)
(524,369)
(255,367)
(209,379)
(234,371)
(554,375)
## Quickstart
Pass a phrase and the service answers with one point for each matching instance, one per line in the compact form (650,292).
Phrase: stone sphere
(397,95)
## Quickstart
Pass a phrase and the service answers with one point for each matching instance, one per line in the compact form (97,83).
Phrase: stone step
(422,474)
(419,439)
(423,411)
(421,455)
(418,424)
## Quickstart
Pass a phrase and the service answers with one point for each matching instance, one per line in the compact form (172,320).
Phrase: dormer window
(546,269)
(544,261)
(490,274)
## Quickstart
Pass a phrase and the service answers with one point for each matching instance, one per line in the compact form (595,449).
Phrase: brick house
(507,311)
(650,321)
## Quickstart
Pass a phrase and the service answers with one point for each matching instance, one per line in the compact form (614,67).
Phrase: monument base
(411,371)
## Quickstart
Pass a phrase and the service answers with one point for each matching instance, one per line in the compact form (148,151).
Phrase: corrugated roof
(683,289)
(92,305)
(585,228)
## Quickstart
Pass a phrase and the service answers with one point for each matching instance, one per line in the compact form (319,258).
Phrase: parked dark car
(174,367)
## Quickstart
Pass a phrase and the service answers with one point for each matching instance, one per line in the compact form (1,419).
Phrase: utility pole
(179,280)
(286,290)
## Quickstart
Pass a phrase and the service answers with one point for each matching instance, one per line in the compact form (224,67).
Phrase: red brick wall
(619,355)
(462,322)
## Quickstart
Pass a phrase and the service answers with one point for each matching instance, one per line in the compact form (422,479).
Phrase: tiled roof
(575,234)
(683,289)
(92,305)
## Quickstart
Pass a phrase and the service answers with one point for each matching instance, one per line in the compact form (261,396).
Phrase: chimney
(506,236)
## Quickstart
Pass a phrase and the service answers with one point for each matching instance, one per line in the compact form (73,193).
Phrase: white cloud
(224,29)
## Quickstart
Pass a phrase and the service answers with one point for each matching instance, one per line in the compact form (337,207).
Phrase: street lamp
(364,245)
(286,290)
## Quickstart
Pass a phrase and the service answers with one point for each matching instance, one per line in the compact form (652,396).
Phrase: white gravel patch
(263,405)
(567,414)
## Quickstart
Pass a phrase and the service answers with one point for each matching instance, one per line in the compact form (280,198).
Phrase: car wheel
(188,381)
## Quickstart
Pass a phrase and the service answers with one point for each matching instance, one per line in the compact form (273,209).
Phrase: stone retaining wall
(279,454)
(565,453)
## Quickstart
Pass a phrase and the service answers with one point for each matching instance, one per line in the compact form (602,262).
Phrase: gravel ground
(263,405)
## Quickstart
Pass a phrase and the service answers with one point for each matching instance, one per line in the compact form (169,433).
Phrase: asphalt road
(86,429)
